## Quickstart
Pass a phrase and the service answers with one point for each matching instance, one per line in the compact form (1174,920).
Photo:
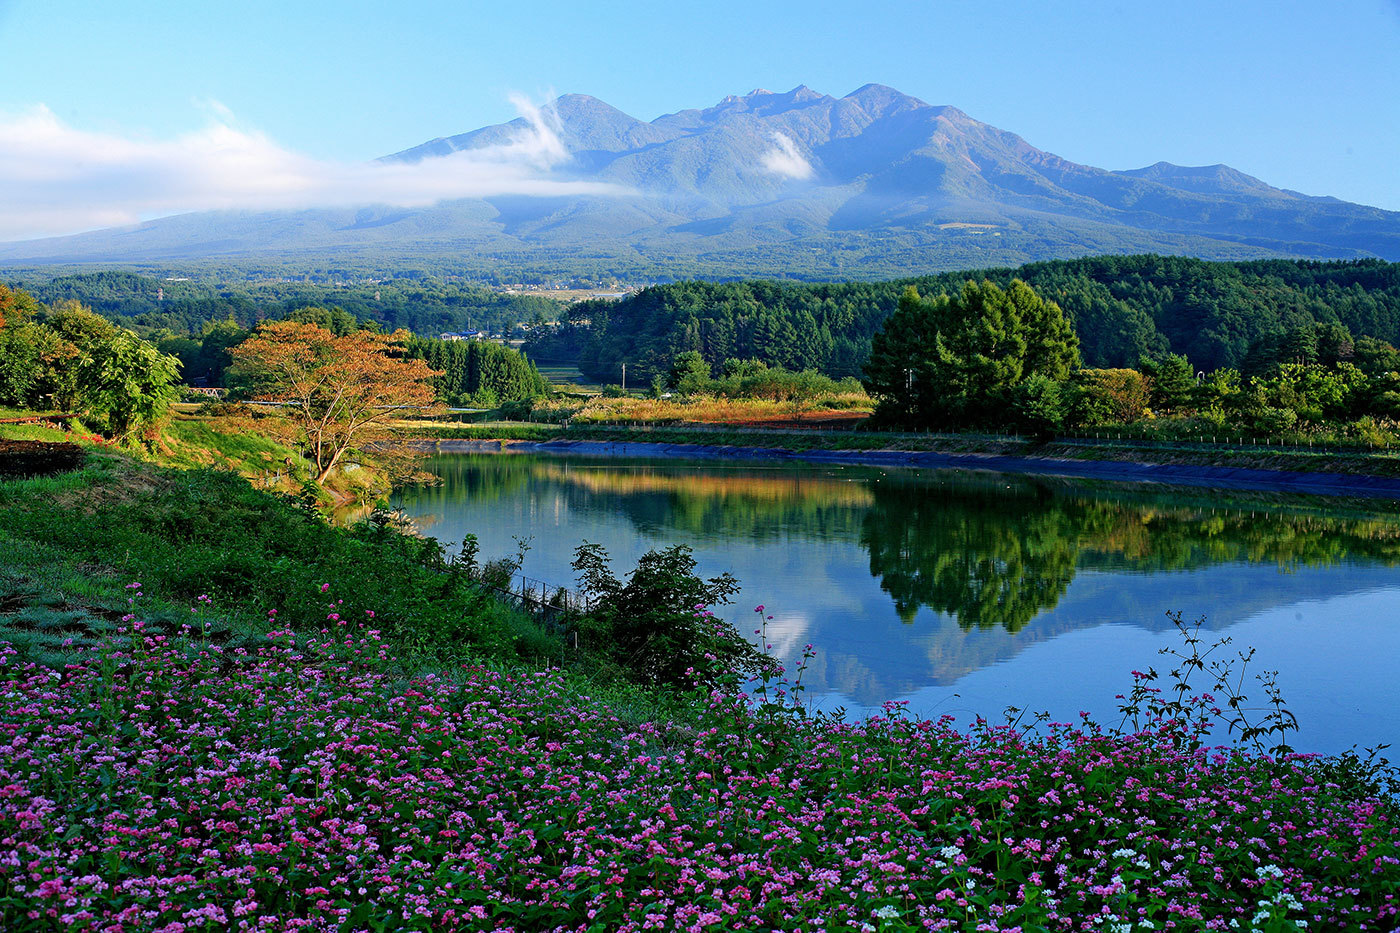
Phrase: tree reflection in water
(998,552)
(988,557)
(988,550)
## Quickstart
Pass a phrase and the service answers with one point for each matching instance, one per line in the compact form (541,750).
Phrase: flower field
(163,784)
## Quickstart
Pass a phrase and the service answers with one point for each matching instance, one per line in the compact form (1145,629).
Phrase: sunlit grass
(704,409)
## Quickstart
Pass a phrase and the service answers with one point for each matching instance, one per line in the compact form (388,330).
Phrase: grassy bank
(289,725)
(70,544)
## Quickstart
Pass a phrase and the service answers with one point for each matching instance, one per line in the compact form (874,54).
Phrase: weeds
(1188,713)
(308,783)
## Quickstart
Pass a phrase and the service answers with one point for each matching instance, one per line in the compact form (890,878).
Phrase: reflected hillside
(996,552)
(915,580)
(666,498)
(775,491)
(756,504)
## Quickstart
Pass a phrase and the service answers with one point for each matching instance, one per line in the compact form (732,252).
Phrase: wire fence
(544,601)
(1225,441)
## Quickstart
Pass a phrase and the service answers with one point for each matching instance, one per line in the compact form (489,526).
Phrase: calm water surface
(965,593)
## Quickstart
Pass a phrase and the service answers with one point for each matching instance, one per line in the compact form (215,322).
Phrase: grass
(75,540)
(240,444)
(701,409)
(489,431)
(285,723)
(566,376)
(35,432)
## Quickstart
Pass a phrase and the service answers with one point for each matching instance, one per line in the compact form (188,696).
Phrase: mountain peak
(718,182)
(572,106)
(881,100)
(1204,179)
(875,91)
(761,101)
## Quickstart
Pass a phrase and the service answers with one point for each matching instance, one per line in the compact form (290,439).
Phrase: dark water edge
(1347,485)
(965,592)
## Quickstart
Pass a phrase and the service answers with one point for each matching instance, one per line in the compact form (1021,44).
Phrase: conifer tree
(955,360)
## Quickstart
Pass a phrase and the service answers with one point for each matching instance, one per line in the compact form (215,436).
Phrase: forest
(1123,308)
(992,358)
(155,307)
(477,373)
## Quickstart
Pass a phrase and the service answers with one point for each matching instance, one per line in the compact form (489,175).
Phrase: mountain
(799,184)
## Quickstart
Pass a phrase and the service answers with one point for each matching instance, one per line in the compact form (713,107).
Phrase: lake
(964,593)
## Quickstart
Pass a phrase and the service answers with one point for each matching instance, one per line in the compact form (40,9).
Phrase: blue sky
(1304,95)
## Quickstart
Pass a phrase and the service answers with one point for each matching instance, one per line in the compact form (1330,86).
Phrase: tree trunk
(330,465)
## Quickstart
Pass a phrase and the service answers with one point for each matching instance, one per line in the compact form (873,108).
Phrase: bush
(519,410)
(655,629)
(1266,420)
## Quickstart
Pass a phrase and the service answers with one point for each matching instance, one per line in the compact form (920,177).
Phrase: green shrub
(655,628)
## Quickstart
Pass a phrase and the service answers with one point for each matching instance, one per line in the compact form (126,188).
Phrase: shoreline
(1168,474)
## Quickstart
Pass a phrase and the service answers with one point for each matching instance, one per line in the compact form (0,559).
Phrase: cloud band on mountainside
(55,179)
(784,159)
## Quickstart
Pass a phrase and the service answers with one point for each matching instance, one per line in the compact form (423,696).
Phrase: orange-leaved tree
(338,393)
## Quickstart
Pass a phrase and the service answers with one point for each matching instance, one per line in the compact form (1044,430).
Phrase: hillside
(796,184)
(1122,307)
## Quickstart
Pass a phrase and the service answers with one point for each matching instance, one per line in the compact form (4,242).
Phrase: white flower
(887,912)
(1124,853)
(950,852)
(1268,871)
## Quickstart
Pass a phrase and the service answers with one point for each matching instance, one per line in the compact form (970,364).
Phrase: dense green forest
(478,373)
(1123,308)
(186,308)
(995,359)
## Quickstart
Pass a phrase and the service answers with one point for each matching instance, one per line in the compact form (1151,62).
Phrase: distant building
(461,335)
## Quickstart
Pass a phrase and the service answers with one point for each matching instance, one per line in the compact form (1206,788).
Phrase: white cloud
(55,179)
(784,159)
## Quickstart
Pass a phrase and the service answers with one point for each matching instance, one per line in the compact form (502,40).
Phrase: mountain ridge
(762,180)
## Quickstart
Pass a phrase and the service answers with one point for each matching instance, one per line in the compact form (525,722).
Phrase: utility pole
(624,377)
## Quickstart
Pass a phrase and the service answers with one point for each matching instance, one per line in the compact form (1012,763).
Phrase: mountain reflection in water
(912,582)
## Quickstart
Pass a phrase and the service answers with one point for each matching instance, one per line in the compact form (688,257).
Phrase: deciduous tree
(339,393)
(79,360)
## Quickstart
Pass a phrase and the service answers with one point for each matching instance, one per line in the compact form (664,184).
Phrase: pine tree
(954,360)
